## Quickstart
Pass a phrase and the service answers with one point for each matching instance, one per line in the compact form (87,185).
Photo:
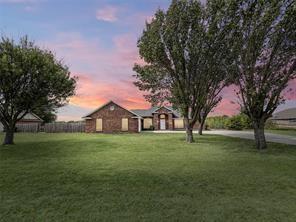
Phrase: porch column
(155,121)
(139,125)
(170,120)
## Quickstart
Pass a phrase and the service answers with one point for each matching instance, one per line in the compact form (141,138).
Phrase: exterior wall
(169,120)
(111,120)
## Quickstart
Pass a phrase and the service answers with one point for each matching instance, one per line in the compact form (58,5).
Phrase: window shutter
(179,123)
(124,124)
(147,123)
(99,125)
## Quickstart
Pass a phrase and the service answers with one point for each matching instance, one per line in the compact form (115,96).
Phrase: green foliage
(234,123)
(31,79)
(266,56)
(237,122)
(186,50)
(46,113)
(217,122)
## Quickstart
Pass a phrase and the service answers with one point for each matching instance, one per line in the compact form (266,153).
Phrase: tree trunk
(201,126)
(259,134)
(9,136)
(189,137)
(189,133)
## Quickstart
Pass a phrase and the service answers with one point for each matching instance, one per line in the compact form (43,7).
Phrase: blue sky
(97,40)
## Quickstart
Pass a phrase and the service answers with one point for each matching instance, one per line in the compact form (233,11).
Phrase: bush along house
(113,118)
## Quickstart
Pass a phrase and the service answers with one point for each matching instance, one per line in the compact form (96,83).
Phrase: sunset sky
(97,40)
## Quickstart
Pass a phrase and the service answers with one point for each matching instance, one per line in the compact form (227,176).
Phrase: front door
(162,124)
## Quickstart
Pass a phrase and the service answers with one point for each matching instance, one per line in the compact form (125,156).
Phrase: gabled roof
(149,112)
(285,114)
(30,116)
(101,107)
(145,112)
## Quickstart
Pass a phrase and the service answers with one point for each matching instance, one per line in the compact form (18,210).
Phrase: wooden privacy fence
(75,127)
(28,127)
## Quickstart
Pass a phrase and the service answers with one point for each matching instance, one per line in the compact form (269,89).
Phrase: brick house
(112,117)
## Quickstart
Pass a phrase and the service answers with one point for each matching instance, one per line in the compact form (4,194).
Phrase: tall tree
(30,78)
(187,58)
(266,57)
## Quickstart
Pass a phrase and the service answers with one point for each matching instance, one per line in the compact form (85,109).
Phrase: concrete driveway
(270,137)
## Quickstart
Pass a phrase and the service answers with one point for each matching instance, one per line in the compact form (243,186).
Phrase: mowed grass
(145,177)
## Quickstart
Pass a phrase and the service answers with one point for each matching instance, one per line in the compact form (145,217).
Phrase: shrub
(217,122)
(235,123)
(239,122)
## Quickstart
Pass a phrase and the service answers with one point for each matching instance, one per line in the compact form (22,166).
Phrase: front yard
(145,177)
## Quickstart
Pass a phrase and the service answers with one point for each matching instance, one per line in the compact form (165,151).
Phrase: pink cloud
(92,57)
(227,107)
(106,73)
(92,93)
(107,14)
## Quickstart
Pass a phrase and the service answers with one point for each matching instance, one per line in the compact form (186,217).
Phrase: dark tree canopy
(31,79)
(186,51)
(265,46)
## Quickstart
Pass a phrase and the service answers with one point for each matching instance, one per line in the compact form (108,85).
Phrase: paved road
(270,137)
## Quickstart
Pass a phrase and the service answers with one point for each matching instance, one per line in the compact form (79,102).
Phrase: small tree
(187,58)
(266,57)
(46,113)
(30,78)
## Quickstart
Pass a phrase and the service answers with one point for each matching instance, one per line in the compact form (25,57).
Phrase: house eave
(86,118)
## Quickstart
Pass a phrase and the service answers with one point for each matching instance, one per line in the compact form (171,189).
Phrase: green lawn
(145,177)
(288,132)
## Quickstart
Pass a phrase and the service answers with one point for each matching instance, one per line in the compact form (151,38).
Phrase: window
(99,125)
(112,108)
(124,124)
(147,123)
